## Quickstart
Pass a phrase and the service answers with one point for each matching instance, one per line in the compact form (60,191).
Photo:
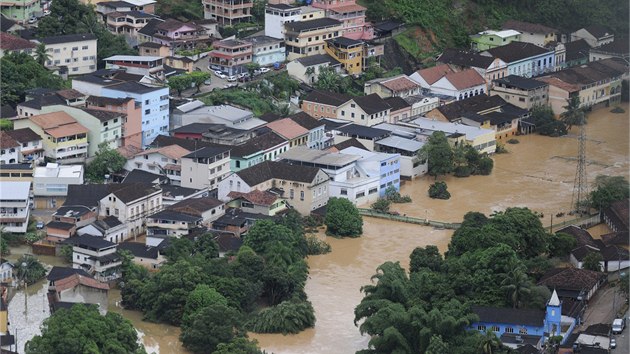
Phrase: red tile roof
(9,42)
(76,279)
(431,75)
(401,83)
(287,128)
(256,197)
(465,79)
(7,141)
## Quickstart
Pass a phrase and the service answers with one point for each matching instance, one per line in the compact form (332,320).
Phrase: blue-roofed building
(154,102)
(518,327)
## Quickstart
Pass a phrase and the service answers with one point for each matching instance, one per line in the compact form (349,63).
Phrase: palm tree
(41,55)
(517,286)
(489,343)
(574,114)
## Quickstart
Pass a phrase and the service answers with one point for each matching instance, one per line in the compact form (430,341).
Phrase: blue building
(524,59)
(518,327)
(267,50)
(154,103)
(387,166)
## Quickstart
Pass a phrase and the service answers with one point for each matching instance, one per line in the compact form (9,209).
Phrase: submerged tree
(573,114)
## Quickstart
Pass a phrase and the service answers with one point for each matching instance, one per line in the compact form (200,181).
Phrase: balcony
(70,142)
(230,4)
(79,150)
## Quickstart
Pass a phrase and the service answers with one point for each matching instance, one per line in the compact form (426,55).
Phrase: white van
(618,325)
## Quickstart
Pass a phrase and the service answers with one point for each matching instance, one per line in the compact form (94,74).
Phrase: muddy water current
(537,173)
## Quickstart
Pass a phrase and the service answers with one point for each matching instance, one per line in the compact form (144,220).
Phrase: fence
(585,221)
(408,219)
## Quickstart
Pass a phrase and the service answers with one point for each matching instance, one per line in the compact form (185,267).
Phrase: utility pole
(579,201)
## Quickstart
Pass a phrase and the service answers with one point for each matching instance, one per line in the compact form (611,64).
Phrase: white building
(109,228)
(136,64)
(483,140)
(230,116)
(50,183)
(443,80)
(347,178)
(76,52)
(96,256)
(204,168)
(164,161)
(131,203)
(403,141)
(10,149)
(276,15)
(14,206)
(31,147)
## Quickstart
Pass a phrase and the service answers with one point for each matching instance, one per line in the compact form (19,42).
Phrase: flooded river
(537,173)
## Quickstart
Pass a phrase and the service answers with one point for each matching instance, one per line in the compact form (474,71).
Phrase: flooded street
(537,173)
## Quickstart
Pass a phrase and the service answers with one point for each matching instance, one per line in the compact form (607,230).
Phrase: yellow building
(307,38)
(65,140)
(349,52)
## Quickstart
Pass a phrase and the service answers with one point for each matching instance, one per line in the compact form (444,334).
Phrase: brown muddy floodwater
(537,173)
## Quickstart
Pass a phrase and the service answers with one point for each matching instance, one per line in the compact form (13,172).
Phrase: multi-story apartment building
(103,127)
(163,161)
(228,12)
(349,52)
(385,165)
(347,179)
(362,110)
(105,7)
(175,34)
(276,15)
(595,83)
(524,59)
(323,104)
(127,24)
(231,55)
(206,167)
(306,38)
(65,140)
(350,14)
(302,187)
(76,52)
(14,206)
(132,122)
(31,147)
(131,203)
(316,130)
(266,147)
(21,11)
(521,91)
(398,86)
(267,50)
(96,256)
(153,102)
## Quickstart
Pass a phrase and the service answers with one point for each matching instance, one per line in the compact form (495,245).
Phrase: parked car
(39,225)
(32,20)
(244,74)
(618,325)
(278,67)
(264,70)
(46,12)
(214,67)
(220,74)
(613,343)
(207,82)
(227,86)
(231,78)
(244,79)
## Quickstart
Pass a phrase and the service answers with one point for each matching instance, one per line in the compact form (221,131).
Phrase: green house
(491,39)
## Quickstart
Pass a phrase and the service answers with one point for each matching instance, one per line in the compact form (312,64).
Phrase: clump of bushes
(316,246)
(439,190)
(513,141)
(392,195)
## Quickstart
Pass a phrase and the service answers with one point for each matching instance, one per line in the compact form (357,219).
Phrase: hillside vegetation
(436,24)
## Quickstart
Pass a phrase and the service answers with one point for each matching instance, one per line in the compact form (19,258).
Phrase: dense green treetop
(82,329)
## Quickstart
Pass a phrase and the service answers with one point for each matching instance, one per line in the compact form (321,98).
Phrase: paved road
(600,307)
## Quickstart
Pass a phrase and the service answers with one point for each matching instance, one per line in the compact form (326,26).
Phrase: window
(523,330)
(481,328)
(291,193)
(495,328)
(84,47)
(301,195)
(75,48)
(372,191)
(344,191)
(509,330)
(360,195)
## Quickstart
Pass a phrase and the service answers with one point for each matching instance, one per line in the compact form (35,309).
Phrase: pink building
(351,14)
(132,128)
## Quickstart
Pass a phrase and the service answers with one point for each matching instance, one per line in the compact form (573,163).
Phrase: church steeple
(553,315)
